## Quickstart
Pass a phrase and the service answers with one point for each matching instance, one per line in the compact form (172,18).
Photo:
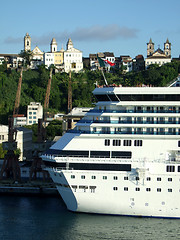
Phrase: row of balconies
(177,110)
(146,131)
(130,121)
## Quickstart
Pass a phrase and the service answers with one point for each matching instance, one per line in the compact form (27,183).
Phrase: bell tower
(53,45)
(69,44)
(167,48)
(27,42)
(150,48)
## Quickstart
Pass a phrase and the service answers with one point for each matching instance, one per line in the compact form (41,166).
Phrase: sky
(123,27)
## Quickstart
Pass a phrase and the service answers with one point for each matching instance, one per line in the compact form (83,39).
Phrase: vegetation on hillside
(35,82)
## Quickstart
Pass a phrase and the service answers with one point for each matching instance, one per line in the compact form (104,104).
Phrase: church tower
(27,42)
(69,44)
(167,48)
(53,45)
(150,48)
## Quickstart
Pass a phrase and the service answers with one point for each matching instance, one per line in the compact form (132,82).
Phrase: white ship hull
(130,199)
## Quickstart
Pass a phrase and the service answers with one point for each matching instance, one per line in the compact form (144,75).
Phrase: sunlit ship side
(123,157)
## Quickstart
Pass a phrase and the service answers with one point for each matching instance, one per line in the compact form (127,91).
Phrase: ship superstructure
(123,157)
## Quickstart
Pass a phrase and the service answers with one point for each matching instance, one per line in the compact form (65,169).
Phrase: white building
(48,59)
(3,133)
(127,63)
(34,112)
(72,58)
(24,143)
(2,59)
(23,139)
(20,120)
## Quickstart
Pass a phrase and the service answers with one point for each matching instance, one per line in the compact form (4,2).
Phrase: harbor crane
(40,146)
(10,167)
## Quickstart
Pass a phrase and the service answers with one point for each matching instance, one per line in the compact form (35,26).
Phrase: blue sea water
(46,218)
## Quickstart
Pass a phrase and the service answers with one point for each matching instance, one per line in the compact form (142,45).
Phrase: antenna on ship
(102,64)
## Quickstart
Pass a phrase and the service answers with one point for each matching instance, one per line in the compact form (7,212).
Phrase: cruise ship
(123,157)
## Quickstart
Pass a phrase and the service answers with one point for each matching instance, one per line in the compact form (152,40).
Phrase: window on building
(148,189)
(169,179)
(83,177)
(158,179)
(127,143)
(137,143)
(158,189)
(105,177)
(30,113)
(125,178)
(107,142)
(169,189)
(93,177)
(125,188)
(137,189)
(116,142)
(170,168)
(72,176)
(148,179)
(115,188)
(115,178)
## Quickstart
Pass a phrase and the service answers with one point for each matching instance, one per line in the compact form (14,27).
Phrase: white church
(159,56)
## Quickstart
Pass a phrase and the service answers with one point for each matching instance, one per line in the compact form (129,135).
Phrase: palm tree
(27,56)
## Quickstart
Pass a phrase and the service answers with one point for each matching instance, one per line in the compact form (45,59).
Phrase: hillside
(35,82)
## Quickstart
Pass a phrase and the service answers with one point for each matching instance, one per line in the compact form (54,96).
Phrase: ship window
(107,142)
(72,176)
(170,179)
(148,189)
(83,177)
(127,143)
(169,189)
(93,177)
(105,177)
(137,189)
(158,179)
(125,178)
(115,188)
(102,97)
(170,168)
(158,189)
(137,143)
(148,179)
(115,178)
(125,188)
(99,154)
(121,154)
(116,142)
